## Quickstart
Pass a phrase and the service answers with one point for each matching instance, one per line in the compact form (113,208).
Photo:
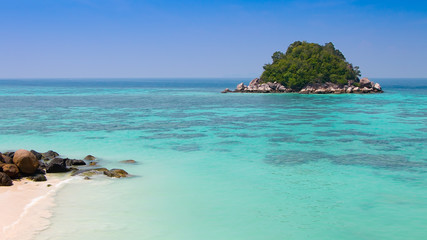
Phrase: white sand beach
(25,207)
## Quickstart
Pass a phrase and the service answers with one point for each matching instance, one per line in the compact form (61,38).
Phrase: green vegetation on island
(306,63)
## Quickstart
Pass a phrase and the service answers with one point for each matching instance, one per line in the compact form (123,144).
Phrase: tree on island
(305,63)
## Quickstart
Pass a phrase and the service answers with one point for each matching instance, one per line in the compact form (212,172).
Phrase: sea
(235,166)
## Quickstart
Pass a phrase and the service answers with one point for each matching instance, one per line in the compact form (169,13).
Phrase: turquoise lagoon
(228,166)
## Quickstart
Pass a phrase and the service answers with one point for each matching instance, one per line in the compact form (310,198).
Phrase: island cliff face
(309,68)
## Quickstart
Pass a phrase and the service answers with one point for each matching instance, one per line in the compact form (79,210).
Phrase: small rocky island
(34,166)
(309,68)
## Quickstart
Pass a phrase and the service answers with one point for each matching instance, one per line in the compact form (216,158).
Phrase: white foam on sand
(25,207)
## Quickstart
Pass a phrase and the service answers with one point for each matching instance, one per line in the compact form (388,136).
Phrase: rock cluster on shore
(34,165)
(256,86)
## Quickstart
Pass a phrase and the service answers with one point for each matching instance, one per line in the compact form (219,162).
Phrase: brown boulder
(26,161)
(7,159)
(5,180)
(11,170)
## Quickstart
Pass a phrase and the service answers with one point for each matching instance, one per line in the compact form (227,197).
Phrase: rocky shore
(256,86)
(33,165)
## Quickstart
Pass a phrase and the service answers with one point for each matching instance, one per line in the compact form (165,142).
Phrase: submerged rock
(90,172)
(26,161)
(128,161)
(117,173)
(90,158)
(5,180)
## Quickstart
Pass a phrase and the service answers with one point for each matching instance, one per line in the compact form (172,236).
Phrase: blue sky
(124,38)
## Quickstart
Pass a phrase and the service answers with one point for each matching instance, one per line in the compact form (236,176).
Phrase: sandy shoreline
(25,207)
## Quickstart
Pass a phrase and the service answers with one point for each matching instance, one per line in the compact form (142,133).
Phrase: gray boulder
(38,178)
(49,155)
(255,81)
(37,154)
(240,87)
(71,162)
(377,87)
(364,82)
(57,165)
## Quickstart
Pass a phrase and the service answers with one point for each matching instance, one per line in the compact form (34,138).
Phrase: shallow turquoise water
(228,166)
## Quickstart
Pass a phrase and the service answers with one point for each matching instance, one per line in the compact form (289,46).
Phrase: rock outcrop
(34,165)
(256,86)
(26,161)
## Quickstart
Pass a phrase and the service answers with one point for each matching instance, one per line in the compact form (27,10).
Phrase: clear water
(228,166)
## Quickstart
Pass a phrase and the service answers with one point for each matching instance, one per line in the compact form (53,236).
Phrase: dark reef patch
(355,122)
(339,133)
(295,157)
(384,161)
(380,161)
(174,136)
(186,147)
(229,142)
